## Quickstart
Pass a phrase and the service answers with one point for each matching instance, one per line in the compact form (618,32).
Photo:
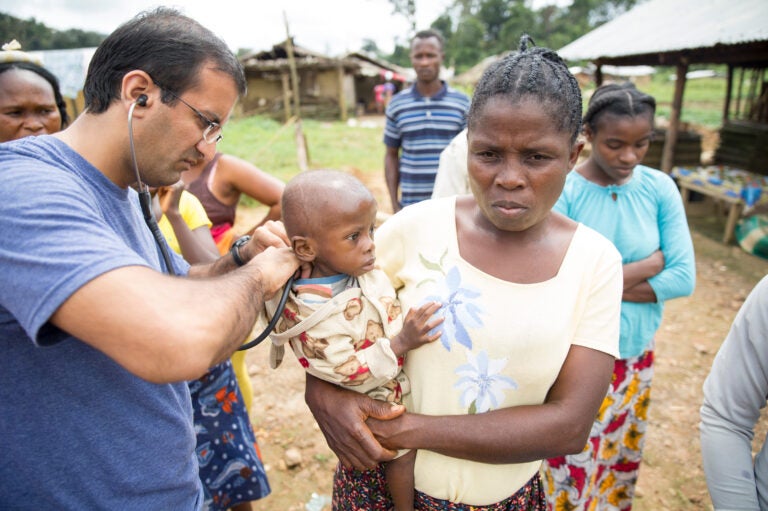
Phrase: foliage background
(473,29)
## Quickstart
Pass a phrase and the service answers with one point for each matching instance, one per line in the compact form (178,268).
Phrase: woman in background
(640,210)
(30,100)
(219,182)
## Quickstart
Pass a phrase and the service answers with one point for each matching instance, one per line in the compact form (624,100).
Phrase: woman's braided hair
(537,72)
(618,99)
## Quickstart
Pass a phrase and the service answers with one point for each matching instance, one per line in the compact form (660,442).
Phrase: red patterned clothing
(603,476)
(354,490)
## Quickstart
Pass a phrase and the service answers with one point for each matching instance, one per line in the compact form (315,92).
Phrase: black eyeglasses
(212,132)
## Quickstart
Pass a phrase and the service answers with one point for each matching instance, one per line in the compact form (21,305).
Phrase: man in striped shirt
(421,121)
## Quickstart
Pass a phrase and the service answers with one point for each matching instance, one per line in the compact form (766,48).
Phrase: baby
(344,322)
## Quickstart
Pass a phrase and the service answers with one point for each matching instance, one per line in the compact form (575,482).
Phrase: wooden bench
(740,161)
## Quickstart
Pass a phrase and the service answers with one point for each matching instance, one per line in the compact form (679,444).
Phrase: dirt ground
(300,465)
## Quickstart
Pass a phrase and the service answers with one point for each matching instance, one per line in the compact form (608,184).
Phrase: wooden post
(668,154)
(302,154)
(286,97)
(342,96)
(728,92)
(294,73)
(599,75)
(738,93)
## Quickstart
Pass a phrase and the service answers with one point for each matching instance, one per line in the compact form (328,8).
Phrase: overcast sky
(327,26)
(332,27)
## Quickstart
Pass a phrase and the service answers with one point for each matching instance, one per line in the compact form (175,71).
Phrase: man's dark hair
(537,72)
(426,34)
(48,77)
(169,46)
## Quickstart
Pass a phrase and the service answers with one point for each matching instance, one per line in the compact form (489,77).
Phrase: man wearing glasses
(97,342)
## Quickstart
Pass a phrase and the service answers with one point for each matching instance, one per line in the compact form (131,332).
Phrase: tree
(475,29)
(370,46)
(407,9)
(33,35)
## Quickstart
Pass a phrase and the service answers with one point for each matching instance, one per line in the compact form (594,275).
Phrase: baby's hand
(416,330)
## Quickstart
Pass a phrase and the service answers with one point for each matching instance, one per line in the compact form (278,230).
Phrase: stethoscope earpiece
(145,199)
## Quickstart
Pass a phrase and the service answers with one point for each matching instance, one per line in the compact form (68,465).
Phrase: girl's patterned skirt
(354,490)
(230,463)
(603,476)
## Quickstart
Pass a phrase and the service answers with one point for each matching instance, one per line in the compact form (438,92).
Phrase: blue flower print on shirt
(459,309)
(481,384)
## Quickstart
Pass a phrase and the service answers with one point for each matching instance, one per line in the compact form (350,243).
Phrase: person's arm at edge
(734,393)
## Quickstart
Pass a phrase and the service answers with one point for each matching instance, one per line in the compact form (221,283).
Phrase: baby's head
(330,217)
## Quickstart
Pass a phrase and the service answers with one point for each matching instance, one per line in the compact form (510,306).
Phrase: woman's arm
(242,177)
(196,243)
(559,426)
(518,434)
(341,415)
(636,275)
(678,278)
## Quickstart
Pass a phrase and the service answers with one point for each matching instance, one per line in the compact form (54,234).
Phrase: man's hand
(275,265)
(341,415)
(271,234)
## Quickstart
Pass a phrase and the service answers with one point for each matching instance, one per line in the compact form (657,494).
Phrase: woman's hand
(169,197)
(341,415)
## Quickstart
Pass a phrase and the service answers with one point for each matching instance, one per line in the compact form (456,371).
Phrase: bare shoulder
(228,161)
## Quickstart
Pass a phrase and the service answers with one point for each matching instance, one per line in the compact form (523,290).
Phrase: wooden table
(739,190)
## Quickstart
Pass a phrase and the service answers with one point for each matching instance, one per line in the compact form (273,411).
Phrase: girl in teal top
(640,210)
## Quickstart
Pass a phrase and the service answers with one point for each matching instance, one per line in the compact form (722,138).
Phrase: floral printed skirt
(227,453)
(354,490)
(603,476)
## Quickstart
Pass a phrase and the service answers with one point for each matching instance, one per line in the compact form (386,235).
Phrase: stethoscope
(145,200)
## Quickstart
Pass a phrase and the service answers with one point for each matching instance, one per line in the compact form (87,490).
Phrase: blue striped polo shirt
(422,126)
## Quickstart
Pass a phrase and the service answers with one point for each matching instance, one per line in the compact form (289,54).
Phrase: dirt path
(671,477)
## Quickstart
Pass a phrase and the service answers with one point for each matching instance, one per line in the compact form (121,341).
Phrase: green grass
(272,146)
(703,98)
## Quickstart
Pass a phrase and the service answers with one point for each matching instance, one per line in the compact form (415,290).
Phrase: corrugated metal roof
(659,26)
